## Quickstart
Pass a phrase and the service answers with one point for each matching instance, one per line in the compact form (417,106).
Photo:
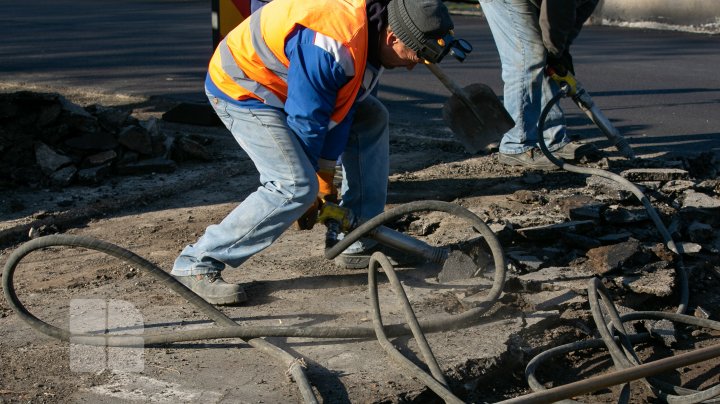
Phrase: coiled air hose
(253,334)
(620,347)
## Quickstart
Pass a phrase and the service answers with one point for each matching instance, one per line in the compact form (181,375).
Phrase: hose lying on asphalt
(621,347)
(252,334)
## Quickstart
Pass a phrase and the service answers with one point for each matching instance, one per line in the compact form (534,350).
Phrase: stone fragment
(99,159)
(49,160)
(549,232)
(677,186)
(527,261)
(664,330)
(700,312)
(93,175)
(185,148)
(607,190)
(700,232)
(605,259)
(458,265)
(690,248)
(699,200)
(558,278)
(535,218)
(709,186)
(654,174)
(64,176)
(660,282)
(110,118)
(619,215)
(578,207)
(663,252)
(77,117)
(136,138)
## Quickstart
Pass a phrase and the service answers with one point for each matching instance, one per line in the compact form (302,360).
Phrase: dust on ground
(291,283)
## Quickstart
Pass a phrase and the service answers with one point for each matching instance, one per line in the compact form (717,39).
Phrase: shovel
(474,113)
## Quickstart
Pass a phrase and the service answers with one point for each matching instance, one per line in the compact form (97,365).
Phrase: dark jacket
(561,22)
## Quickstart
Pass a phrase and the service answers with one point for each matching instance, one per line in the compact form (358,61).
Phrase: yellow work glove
(327,192)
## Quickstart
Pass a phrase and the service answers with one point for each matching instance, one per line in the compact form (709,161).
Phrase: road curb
(671,12)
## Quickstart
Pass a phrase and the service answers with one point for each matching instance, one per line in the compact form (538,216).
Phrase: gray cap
(419,24)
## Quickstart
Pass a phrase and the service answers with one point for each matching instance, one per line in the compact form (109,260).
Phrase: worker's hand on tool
(561,63)
(561,70)
(327,192)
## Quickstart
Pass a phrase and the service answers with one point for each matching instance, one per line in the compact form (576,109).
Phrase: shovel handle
(455,89)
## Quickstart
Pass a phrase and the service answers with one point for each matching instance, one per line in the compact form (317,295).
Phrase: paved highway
(660,88)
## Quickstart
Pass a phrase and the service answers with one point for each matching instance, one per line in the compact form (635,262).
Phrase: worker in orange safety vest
(293,84)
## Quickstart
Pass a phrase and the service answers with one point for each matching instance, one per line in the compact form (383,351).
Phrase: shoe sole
(510,161)
(237,298)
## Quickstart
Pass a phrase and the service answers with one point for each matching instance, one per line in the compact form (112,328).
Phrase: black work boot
(213,288)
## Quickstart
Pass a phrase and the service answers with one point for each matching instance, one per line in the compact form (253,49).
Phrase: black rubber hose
(613,378)
(628,185)
(127,340)
(440,206)
(625,359)
(232,329)
(229,328)
(436,382)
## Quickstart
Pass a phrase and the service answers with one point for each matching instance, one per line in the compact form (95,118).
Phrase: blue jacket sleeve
(314,79)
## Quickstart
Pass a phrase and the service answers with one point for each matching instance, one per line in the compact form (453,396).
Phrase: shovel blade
(480,124)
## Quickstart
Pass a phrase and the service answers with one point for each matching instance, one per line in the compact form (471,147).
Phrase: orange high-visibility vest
(251,60)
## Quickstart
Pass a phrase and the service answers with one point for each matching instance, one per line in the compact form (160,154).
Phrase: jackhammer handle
(456,90)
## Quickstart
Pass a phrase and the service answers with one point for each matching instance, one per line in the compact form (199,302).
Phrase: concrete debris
(677,187)
(606,259)
(700,312)
(654,174)
(557,278)
(620,215)
(659,282)
(663,330)
(698,200)
(49,141)
(457,266)
(555,230)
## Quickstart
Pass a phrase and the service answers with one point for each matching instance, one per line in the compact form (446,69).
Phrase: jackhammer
(582,99)
(339,220)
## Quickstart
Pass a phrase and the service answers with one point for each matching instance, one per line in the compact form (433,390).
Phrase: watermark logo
(105,317)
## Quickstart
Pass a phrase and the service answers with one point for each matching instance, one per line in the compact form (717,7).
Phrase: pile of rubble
(558,240)
(46,140)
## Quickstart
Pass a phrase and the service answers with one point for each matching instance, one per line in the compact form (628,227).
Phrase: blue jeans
(288,184)
(516,31)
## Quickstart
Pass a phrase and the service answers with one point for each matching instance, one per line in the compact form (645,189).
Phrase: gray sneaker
(213,288)
(533,158)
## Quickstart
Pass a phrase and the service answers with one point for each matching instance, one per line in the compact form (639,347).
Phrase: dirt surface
(291,283)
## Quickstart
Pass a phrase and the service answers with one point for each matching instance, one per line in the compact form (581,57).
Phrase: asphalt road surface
(661,89)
